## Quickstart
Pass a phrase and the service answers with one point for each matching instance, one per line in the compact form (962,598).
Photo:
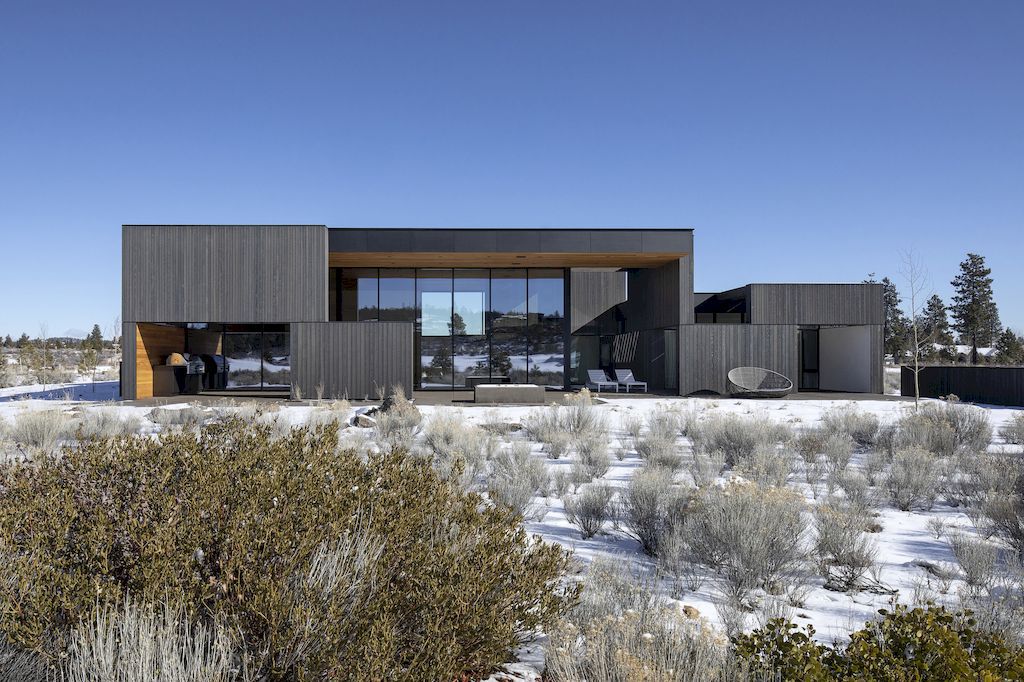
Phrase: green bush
(323,563)
(905,644)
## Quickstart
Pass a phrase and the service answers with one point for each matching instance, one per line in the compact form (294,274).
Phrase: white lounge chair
(758,382)
(625,378)
(596,378)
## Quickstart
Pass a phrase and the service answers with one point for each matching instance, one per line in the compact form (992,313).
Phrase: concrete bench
(509,393)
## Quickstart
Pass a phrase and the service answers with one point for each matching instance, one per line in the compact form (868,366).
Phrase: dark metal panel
(621,241)
(708,351)
(435,241)
(567,241)
(667,241)
(474,241)
(352,241)
(988,385)
(234,273)
(518,241)
(388,240)
(593,293)
(351,359)
(849,304)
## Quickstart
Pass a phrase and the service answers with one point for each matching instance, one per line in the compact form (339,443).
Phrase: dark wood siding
(708,351)
(593,293)
(237,273)
(351,359)
(660,297)
(989,385)
(820,304)
(129,374)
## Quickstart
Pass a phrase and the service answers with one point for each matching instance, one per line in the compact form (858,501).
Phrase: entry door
(809,375)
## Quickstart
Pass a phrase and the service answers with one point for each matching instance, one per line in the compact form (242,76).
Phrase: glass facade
(258,356)
(471,325)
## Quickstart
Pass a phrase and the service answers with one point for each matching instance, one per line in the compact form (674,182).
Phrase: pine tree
(896,323)
(974,312)
(1010,347)
(8,342)
(22,341)
(94,340)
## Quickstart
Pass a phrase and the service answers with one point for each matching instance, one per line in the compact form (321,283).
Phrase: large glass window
(359,294)
(435,324)
(397,295)
(471,348)
(546,307)
(258,356)
(471,325)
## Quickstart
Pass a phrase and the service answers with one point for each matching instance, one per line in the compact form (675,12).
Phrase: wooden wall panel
(592,293)
(818,304)
(351,359)
(508,259)
(153,343)
(708,351)
(224,273)
(660,297)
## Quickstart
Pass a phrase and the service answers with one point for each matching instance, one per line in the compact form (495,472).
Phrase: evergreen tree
(896,324)
(22,341)
(974,312)
(8,342)
(936,321)
(1010,347)
(94,340)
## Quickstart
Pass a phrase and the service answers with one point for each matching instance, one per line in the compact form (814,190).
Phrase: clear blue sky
(804,141)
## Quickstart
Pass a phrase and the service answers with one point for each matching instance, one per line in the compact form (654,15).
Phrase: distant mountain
(76,333)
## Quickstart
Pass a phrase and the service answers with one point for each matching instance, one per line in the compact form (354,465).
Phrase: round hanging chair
(758,382)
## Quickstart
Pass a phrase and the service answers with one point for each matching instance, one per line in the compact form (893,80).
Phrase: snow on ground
(903,540)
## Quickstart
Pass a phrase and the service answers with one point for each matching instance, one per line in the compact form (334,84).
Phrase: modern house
(307,309)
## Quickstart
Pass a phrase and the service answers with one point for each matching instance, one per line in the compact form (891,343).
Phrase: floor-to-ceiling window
(471,325)
(434,326)
(470,346)
(258,355)
(546,330)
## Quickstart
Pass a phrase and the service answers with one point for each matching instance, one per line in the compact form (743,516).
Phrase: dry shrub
(624,629)
(107,422)
(1005,510)
(838,448)
(737,436)
(233,523)
(751,536)
(590,509)
(657,445)
(516,477)
(133,643)
(913,479)
(455,449)
(705,467)
(593,453)
(945,429)
(849,420)
(41,431)
(810,442)
(977,559)
(844,551)
(1013,430)
(185,417)
(652,505)
(768,466)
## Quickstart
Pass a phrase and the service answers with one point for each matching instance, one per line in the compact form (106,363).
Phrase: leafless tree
(918,283)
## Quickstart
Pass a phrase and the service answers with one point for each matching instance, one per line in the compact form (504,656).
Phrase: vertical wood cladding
(593,292)
(351,359)
(660,297)
(708,351)
(822,304)
(224,273)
